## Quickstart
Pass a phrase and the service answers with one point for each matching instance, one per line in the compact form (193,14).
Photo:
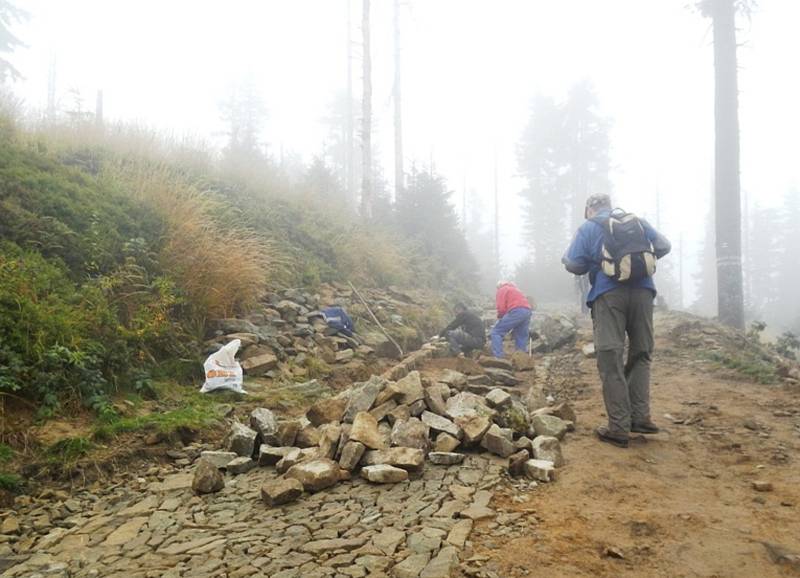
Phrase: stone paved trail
(165,524)
(354,529)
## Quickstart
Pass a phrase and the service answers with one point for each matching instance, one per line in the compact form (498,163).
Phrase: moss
(193,417)
(6,453)
(515,417)
(295,395)
(317,368)
(11,482)
(69,450)
(748,366)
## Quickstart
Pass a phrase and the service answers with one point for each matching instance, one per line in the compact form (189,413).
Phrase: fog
(470,72)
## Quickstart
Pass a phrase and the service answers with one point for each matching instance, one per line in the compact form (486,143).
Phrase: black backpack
(627,254)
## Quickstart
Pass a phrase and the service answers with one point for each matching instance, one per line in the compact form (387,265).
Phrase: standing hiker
(619,252)
(514,315)
(466,332)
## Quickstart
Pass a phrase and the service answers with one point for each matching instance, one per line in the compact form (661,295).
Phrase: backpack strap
(608,262)
(608,233)
(608,237)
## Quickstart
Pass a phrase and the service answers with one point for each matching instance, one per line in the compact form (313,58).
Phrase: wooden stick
(375,319)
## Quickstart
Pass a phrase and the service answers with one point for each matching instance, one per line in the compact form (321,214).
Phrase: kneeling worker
(466,332)
(513,315)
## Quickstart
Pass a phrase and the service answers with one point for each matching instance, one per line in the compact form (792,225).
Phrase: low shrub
(6,453)
(51,332)
(64,341)
(69,450)
(11,482)
(748,365)
(788,345)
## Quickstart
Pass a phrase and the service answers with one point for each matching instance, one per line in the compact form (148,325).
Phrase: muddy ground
(681,503)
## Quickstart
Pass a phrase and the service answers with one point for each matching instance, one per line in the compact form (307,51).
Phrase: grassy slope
(110,260)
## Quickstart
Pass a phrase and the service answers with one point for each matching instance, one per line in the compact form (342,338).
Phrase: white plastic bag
(222,369)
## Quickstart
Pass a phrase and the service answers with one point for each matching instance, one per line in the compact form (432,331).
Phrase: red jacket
(508,298)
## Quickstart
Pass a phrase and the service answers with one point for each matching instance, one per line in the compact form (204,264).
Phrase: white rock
(442,424)
(548,448)
(265,423)
(384,474)
(240,465)
(540,470)
(466,404)
(241,440)
(549,425)
(496,441)
(316,475)
(219,459)
(498,398)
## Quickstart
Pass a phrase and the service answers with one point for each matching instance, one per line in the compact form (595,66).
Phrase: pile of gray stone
(287,330)
(552,331)
(386,431)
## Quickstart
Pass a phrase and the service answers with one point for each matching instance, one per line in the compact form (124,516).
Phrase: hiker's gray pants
(626,386)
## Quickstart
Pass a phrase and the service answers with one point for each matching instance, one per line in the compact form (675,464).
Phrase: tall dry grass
(222,268)
(130,141)
(370,258)
(203,253)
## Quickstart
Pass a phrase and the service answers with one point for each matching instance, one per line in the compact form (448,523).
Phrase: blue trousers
(518,322)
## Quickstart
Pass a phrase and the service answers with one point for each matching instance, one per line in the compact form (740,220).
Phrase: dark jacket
(338,319)
(470,322)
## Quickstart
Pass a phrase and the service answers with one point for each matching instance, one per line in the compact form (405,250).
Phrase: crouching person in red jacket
(514,315)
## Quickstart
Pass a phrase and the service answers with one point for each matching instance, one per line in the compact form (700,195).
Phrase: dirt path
(681,503)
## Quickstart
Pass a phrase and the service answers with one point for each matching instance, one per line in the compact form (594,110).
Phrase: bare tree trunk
(51,90)
(349,152)
(464,204)
(747,278)
(399,175)
(726,165)
(680,271)
(98,110)
(496,220)
(580,192)
(366,120)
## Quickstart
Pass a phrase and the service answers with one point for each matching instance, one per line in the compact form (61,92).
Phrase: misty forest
(399,288)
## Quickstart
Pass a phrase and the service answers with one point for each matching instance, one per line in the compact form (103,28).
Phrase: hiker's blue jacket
(585,254)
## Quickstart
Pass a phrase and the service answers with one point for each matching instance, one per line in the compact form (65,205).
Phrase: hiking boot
(617,439)
(645,427)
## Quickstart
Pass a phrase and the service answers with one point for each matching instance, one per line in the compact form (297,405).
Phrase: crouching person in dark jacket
(466,332)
